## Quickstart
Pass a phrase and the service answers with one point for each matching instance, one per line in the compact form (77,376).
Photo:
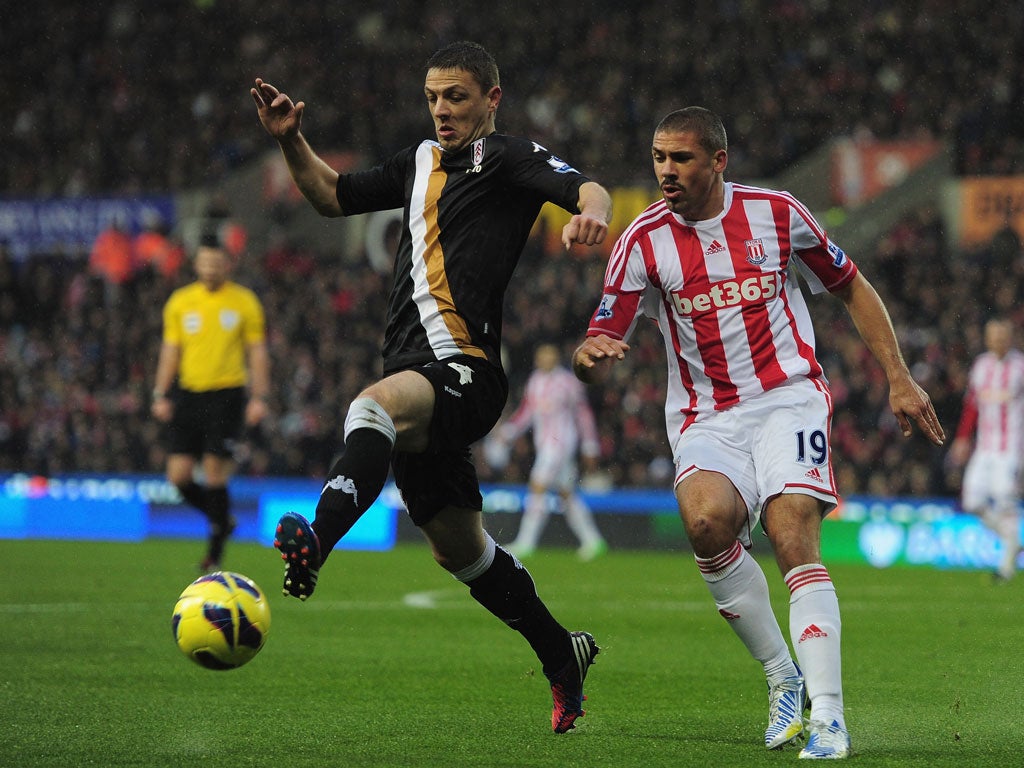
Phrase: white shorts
(554,470)
(776,442)
(991,480)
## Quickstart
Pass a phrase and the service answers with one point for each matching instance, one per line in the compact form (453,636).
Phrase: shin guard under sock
(356,480)
(740,590)
(815,629)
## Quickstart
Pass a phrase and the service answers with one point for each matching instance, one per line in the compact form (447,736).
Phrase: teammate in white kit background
(992,422)
(748,409)
(555,407)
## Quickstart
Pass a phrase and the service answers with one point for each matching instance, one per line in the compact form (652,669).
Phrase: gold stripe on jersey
(441,319)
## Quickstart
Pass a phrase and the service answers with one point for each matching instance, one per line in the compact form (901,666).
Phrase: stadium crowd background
(154,98)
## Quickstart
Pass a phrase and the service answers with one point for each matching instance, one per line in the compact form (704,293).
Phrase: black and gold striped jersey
(467,216)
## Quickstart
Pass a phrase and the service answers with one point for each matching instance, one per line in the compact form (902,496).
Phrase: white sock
(814,628)
(580,521)
(740,591)
(535,517)
(1007,527)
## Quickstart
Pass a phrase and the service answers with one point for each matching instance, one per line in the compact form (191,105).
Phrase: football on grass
(221,620)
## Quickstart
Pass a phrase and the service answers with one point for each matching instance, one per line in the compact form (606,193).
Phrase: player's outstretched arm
(908,401)
(593,359)
(282,119)
(590,225)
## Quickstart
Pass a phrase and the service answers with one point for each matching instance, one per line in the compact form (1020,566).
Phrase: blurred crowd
(76,366)
(154,98)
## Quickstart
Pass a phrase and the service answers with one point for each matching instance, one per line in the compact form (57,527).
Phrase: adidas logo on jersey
(812,631)
(814,474)
(715,247)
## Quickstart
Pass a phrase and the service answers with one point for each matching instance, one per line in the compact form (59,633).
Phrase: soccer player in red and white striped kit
(992,421)
(748,409)
(555,408)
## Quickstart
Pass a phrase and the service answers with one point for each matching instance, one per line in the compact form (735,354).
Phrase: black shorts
(469,396)
(207,422)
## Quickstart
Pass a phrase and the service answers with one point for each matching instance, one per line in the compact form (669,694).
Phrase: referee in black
(212,379)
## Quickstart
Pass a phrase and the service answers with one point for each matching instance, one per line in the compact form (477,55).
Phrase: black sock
(217,506)
(507,590)
(195,495)
(355,482)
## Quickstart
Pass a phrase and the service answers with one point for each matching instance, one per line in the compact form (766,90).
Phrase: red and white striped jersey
(555,406)
(994,404)
(724,294)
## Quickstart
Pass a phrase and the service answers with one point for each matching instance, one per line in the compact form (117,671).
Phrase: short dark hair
(470,57)
(703,122)
(210,235)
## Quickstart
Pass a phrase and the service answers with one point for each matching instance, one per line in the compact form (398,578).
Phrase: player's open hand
(595,356)
(908,401)
(278,114)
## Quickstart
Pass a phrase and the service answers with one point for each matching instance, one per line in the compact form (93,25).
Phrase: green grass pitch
(391,663)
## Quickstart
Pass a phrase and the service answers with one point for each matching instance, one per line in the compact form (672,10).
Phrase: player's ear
(719,160)
(494,97)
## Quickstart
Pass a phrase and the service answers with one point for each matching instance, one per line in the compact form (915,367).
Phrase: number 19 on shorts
(811,446)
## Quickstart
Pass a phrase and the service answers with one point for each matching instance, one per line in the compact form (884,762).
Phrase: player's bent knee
(708,534)
(367,413)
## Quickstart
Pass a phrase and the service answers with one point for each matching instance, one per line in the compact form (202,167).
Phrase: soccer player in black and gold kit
(214,346)
(470,198)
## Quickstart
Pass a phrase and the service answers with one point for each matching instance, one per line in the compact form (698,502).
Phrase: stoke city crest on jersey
(756,254)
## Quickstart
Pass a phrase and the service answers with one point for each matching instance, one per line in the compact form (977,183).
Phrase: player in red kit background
(993,422)
(555,408)
(748,409)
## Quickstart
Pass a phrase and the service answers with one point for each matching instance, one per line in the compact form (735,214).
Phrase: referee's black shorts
(469,396)
(207,422)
